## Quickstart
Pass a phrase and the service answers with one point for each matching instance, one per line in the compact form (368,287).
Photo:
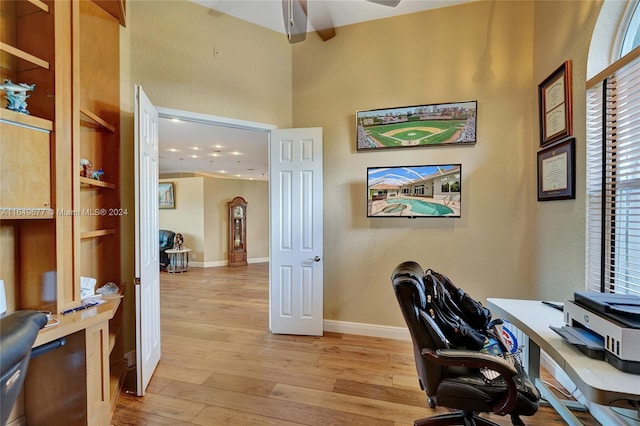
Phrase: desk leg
(561,406)
(533,366)
(558,404)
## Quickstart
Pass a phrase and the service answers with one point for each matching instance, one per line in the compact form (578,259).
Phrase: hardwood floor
(221,366)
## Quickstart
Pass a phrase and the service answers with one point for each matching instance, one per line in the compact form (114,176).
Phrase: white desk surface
(598,380)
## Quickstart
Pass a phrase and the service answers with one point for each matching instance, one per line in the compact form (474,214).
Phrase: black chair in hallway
(451,377)
(166,242)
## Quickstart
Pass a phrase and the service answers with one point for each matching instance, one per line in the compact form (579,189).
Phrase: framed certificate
(557,171)
(554,96)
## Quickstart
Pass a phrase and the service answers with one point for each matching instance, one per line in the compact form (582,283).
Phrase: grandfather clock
(237,231)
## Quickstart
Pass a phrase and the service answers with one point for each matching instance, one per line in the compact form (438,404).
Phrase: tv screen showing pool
(414,191)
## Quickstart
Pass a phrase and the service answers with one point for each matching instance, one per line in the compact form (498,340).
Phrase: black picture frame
(555,105)
(557,171)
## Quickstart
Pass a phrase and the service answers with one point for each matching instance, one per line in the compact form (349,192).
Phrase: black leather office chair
(18,331)
(166,242)
(451,377)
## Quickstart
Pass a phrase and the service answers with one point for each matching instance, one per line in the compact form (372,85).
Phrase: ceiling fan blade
(390,3)
(320,19)
(294,13)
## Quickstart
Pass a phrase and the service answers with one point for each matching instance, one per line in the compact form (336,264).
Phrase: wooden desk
(71,385)
(599,381)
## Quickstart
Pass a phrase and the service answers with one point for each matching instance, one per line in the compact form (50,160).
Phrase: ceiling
(188,147)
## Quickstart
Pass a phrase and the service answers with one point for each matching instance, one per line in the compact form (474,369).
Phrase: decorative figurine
(87,168)
(17,96)
(97,175)
(178,242)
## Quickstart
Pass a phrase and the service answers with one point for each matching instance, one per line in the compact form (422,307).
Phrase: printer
(604,326)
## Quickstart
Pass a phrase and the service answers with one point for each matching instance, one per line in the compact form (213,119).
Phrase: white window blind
(613,180)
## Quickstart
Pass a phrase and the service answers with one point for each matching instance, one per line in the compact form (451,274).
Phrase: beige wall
(496,52)
(201,216)
(172,57)
(188,216)
(217,192)
(480,51)
(563,31)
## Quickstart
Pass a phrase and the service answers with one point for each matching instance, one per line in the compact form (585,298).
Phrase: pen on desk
(79,308)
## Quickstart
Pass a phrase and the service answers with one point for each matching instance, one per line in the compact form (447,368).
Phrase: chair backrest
(408,285)
(166,238)
(18,331)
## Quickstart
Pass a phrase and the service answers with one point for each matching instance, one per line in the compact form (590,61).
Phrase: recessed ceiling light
(235,153)
(195,148)
(194,156)
(215,154)
(172,150)
(175,120)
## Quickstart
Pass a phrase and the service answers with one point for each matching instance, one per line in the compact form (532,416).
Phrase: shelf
(97,233)
(40,5)
(97,183)
(24,55)
(12,117)
(114,8)
(95,121)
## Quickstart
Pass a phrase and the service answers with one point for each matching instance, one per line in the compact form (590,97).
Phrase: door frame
(214,120)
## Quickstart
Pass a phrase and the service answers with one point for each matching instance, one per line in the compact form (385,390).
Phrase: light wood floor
(221,365)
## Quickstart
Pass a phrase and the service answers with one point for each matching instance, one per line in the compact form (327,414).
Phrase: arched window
(630,37)
(613,167)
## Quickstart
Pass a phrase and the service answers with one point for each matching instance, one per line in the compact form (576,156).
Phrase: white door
(295,194)
(147,289)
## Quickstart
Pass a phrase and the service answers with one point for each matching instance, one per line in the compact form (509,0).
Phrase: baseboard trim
(215,263)
(371,330)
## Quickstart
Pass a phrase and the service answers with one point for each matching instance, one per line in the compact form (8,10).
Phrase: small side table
(178,260)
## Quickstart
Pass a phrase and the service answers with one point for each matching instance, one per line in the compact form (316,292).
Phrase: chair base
(455,418)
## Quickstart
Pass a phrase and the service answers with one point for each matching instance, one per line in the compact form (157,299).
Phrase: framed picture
(166,194)
(554,98)
(417,126)
(557,171)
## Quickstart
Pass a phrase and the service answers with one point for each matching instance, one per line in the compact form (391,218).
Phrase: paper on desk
(94,299)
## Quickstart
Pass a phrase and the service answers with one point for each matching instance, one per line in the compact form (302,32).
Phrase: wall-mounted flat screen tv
(417,126)
(432,190)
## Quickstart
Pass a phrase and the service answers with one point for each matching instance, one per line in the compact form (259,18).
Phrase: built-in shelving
(37,123)
(97,183)
(40,5)
(97,233)
(94,120)
(19,53)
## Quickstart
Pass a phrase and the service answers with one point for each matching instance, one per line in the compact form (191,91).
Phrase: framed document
(557,171)
(554,98)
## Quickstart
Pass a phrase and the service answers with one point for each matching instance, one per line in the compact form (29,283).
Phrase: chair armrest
(473,359)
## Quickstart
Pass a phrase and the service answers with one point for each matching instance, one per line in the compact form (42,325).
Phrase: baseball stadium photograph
(414,126)
(414,191)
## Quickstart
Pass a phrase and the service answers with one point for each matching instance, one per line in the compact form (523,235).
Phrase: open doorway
(210,160)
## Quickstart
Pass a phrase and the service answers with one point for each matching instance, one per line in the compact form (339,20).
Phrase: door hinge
(136,281)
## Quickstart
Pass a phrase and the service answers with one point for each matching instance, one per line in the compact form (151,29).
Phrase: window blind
(613,181)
